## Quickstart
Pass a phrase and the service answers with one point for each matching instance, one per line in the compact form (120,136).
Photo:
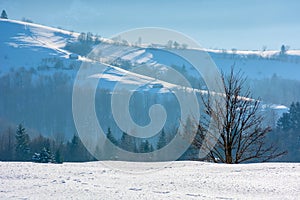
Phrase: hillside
(178,180)
(32,46)
(255,64)
(37,76)
(26,44)
(35,67)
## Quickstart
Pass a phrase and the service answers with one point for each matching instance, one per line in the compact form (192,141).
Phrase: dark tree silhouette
(4,15)
(282,50)
(145,147)
(108,151)
(127,142)
(22,144)
(110,137)
(238,124)
(162,140)
(288,132)
(45,156)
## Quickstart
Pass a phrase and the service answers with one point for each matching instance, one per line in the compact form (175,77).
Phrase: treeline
(84,43)
(276,90)
(18,146)
(133,144)
(281,55)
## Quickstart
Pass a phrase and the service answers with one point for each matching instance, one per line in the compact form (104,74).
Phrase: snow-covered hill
(179,180)
(32,46)
(37,74)
(25,44)
(255,64)
(33,56)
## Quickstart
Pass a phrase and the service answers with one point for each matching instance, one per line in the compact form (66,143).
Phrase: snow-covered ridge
(262,53)
(39,26)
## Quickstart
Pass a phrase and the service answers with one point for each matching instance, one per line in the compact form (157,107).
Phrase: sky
(240,24)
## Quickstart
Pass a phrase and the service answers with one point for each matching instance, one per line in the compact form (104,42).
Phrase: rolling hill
(37,69)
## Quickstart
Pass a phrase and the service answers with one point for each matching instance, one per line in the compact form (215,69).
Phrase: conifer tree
(109,146)
(146,147)
(22,144)
(58,157)
(162,140)
(46,156)
(110,137)
(3,15)
(127,142)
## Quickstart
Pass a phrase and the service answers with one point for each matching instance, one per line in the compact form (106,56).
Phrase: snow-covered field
(179,180)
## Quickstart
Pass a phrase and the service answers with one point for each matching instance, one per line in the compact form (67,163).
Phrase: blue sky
(213,23)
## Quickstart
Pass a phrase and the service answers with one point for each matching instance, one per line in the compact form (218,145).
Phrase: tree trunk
(228,155)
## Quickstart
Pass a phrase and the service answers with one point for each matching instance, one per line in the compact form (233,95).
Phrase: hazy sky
(248,24)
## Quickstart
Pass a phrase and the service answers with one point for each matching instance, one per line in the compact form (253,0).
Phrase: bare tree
(238,134)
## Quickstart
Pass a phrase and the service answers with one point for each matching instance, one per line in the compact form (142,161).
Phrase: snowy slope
(25,44)
(180,180)
(255,64)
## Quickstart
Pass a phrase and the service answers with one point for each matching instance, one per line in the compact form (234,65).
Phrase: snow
(113,75)
(280,107)
(293,52)
(177,180)
(138,57)
(25,44)
(39,26)
(265,53)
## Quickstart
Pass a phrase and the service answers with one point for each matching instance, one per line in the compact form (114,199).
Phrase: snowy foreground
(179,180)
